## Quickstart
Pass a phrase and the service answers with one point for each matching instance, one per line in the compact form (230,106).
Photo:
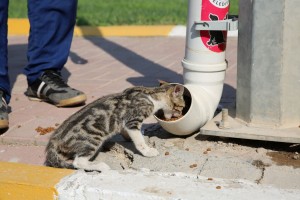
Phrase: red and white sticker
(220,3)
(214,10)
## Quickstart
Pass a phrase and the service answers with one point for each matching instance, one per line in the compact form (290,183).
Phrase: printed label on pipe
(214,10)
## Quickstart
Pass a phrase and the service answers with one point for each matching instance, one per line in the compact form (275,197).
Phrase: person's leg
(51,31)
(4,79)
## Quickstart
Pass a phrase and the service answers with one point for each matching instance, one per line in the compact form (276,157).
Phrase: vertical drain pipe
(204,63)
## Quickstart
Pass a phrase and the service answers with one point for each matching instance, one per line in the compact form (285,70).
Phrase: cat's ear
(161,82)
(178,90)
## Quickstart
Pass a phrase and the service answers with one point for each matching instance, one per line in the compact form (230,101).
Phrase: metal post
(268,82)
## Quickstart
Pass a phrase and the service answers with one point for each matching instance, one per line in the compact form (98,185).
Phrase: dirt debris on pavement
(285,158)
(209,156)
(43,131)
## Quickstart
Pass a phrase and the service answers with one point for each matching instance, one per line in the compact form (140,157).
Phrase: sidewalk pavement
(97,66)
(104,65)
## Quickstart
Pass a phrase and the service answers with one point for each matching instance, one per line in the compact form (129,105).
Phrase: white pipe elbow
(205,82)
(205,87)
(204,67)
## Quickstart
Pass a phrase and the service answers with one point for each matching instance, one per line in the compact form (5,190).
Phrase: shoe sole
(66,102)
(72,101)
(3,124)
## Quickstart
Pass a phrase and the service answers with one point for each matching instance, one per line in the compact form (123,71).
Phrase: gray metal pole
(268,87)
(268,76)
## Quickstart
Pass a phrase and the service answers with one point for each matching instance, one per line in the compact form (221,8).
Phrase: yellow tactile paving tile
(21,27)
(30,182)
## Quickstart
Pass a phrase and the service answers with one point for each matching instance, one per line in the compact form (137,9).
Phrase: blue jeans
(51,32)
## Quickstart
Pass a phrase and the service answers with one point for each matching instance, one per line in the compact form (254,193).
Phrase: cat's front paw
(150,152)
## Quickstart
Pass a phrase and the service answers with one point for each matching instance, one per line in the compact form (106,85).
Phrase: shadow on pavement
(150,70)
(17,61)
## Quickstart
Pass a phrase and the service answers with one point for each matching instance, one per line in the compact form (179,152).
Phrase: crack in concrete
(200,171)
(258,181)
(129,157)
(262,166)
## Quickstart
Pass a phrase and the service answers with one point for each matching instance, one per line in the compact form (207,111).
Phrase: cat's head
(174,100)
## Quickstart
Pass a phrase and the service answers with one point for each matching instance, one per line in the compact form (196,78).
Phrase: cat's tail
(55,159)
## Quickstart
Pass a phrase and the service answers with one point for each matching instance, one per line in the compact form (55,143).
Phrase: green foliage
(124,12)
(234,7)
(17,9)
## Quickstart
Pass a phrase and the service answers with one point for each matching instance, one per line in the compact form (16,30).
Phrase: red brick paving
(98,66)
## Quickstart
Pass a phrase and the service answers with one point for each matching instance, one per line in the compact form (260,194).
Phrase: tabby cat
(78,141)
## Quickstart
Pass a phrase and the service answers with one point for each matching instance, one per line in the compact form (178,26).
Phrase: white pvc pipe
(204,67)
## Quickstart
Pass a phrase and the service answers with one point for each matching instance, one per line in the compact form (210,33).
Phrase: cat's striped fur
(78,141)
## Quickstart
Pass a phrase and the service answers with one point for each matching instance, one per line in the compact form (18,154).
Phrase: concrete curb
(146,185)
(20,181)
(19,27)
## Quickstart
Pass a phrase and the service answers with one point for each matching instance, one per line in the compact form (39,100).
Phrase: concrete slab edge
(20,27)
(238,129)
(21,181)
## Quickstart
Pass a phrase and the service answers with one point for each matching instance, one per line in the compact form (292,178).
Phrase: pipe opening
(191,120)
(188,100)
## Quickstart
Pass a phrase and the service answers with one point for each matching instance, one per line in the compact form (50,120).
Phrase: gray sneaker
(3,112)
(50,87)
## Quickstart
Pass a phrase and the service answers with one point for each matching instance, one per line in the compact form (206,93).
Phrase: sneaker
(50,87)
(3,112)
